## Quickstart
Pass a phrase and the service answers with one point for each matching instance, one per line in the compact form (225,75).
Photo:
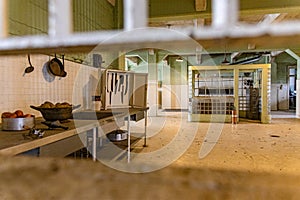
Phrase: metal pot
(117,135)
(53,114)
(18,124)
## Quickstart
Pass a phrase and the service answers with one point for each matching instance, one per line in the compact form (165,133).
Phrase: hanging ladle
(30,68)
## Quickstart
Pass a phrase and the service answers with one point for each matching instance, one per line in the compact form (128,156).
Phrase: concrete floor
(248,161)
(247,146)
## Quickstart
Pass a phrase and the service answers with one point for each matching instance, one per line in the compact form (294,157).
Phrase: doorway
(250,94)
(292,77)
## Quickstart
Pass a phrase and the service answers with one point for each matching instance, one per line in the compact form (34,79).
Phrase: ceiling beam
(112,2)
(268,19)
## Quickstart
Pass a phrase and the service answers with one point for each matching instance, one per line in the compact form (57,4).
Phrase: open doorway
(250,94)
(292,73)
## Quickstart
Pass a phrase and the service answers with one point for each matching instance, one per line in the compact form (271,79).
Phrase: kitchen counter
(13,142)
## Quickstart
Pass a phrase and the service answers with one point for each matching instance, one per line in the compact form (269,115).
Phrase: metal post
(145,132)
(3,19)
(100,134)
(94,144)
(60,17)
(128,139)
(224,13)
(135,14)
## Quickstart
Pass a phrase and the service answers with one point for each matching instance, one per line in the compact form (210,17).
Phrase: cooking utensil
(126,84)
(112,87)
(30,68)
(121,87)
(97,60)
(34,134)
(53,114)
(56,67)
(54,124)
(117,135)
(108,85)
(121,82)
(18,124)
(116,82)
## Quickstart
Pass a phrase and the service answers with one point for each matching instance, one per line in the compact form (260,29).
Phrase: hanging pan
(56,67)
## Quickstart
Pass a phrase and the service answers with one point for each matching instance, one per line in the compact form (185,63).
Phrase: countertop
(13,142)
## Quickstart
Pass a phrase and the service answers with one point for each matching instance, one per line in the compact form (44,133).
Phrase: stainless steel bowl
(18,124)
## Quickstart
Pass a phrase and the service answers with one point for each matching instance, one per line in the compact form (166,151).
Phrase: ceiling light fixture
(179,59)
(225,61)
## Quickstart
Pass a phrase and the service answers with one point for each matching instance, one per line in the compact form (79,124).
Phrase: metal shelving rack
(213,92)
(217,107)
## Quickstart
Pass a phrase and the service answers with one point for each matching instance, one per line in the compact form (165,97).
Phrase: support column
(152,83)
(236,89)
(121,61)
(265,93)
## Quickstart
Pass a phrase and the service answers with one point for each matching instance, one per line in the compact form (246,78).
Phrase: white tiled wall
(20,90)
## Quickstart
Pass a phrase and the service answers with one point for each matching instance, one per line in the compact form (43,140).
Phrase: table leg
(128,139)
(145,131)
(100,135)
(94,143)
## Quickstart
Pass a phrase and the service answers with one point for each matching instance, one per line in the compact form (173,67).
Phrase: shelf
(212,105)
(212,82)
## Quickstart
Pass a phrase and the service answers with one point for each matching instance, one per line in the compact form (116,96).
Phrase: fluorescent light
(179,59)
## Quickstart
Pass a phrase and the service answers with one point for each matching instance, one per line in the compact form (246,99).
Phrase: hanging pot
(56,67)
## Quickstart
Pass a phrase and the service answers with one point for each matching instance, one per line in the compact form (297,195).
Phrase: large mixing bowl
(53,114)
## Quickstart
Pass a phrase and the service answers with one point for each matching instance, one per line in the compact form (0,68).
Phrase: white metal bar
(3,19)
(135,14)
(85,42)
(60,17)
(224,13)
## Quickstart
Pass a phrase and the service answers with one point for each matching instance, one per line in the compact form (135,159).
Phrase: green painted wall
(162,8)
(27,17)
(91,15)
(280,68)
(30,17)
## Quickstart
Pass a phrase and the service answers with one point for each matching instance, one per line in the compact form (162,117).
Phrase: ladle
(30,68)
